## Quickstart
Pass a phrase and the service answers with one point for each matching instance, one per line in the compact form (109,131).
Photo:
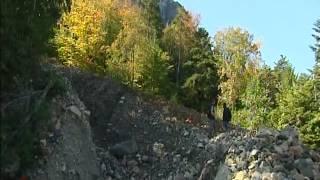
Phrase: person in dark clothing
(210,115)
(226,116)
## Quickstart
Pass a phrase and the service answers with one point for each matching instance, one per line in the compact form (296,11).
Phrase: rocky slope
(135,137)
(68,149)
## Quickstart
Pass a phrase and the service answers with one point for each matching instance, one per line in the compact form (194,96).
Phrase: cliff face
(168,10)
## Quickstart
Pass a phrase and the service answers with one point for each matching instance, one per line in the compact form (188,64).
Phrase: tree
(316,68)
(85,34)
(154,75)
(258,100)
(151,10)
(178,38)
(237,53)
(201,78)
(25,29)
(284,74)
(132,47)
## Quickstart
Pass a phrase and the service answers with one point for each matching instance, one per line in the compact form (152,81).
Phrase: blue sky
(283,26)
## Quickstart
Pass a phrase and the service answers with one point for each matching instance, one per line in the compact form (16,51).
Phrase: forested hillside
(181,62)
(160,52)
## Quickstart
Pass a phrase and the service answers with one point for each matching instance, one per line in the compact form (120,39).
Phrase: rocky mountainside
(168,10)
(106,131)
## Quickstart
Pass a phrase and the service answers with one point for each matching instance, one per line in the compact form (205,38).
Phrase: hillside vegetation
(180,62)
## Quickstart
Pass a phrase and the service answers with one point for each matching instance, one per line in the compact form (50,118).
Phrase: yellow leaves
(239,58)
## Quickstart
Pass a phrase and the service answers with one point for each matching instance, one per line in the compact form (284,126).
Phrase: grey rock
(277,176)
(256,176)
(241,175)
(132,163)
(124,148)
(145,158)
(223,173)
(103,167)
(296,176)
(304,166)
(75,110)
(281,149)
(264,167)
(252,165)
(168,10)
(187,175)
(136,169)
(179,177)
(263,132)
(176,158)
(291,134)
(200,145)
(158,149)
(254,152)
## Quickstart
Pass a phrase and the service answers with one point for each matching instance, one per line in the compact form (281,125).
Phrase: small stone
(179,177)
(186,133)
(315,156)
(108,178)
(296,151)
(265,132)
(297,176)
(75,110)
(43,142)
(200,145)
(132,163)
(145,158)
(252,165)
(304,166)
(265,167)
(174,119)
(63,167)
(136,170)
(266,176)
(281,149)
(254,152)
(103,167)
(87,112)
(256,176)
(223,173)
(240,175)
(158,149)
(242,165)
(40,171)
(124,148)
(230,161)
(277,176)
(278,168)
(210,147)
(176,158)
(187,175)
